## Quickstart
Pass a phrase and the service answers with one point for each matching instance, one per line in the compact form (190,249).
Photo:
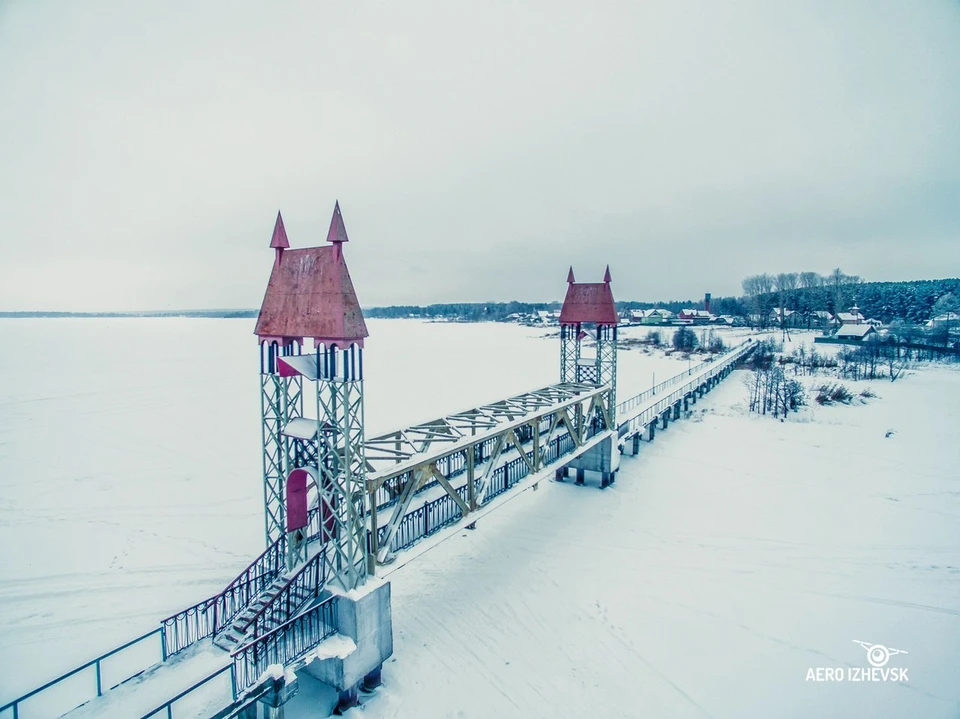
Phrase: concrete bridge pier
(650,430)
(635,442)
(676,410)
(364,616)
(602,458)
(665,418)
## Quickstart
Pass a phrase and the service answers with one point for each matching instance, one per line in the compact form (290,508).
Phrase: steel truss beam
(416,451)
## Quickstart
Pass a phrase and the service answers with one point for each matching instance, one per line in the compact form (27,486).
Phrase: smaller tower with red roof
(590,313)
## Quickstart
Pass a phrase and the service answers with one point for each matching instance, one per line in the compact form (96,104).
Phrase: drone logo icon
(877,654)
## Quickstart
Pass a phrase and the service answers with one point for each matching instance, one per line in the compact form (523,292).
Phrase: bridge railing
(438,513)
(167,708)
(629,404)
(54,698)
(284,645)
(306,584)
(692,382)
(207,618)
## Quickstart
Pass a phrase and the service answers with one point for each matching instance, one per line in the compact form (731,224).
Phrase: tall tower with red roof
(312,401)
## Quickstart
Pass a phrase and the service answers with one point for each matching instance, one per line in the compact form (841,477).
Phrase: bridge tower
(310,295)
(589,306)
(589,311)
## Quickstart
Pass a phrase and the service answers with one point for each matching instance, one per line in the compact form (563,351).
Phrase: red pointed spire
(337,232)
(606,275)
(279,240)
(570,279)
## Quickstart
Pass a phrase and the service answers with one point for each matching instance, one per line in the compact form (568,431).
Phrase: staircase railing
(306,584)
(284,644)
(208,617)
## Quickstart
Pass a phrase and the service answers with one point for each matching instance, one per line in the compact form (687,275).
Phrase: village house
(858,332)
(656,316)
(853,317)
(694,317)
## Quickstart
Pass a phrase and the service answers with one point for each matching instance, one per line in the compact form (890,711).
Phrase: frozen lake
(130,460)
(734,555)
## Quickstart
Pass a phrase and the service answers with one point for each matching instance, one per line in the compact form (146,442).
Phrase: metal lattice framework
(569,352)
(333,442)
(606,367)
(343,468)
(281,400)
(600,369)
(476,440)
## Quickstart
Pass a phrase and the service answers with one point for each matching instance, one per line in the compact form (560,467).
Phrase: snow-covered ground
(732,555)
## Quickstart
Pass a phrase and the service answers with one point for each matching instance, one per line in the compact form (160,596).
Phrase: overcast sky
(477,149)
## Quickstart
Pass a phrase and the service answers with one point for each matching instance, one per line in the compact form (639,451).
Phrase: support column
(274,700)
(676,410)
(650,431)
(665,419)
(636,444)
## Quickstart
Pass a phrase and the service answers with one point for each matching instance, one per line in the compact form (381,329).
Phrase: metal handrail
(306,584)
(168,705)
(652,411)
(283,644)
(15,704)
(209,616)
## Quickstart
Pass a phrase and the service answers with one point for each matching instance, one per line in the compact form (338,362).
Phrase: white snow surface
(732,555)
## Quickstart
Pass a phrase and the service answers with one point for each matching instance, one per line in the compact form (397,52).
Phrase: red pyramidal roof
(310,294)
(589,302)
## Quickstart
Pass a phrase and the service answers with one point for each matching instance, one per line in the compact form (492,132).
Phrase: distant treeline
(912,301)
(462,311)
(499,311)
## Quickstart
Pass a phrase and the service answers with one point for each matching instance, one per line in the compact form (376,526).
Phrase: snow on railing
(283,645)
(207,618)
(35,703)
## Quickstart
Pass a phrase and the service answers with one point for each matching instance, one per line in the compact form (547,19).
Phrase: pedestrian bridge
(340,505)
(212,659)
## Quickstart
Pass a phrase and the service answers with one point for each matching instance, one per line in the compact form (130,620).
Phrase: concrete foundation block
(602,458)
(363,615)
